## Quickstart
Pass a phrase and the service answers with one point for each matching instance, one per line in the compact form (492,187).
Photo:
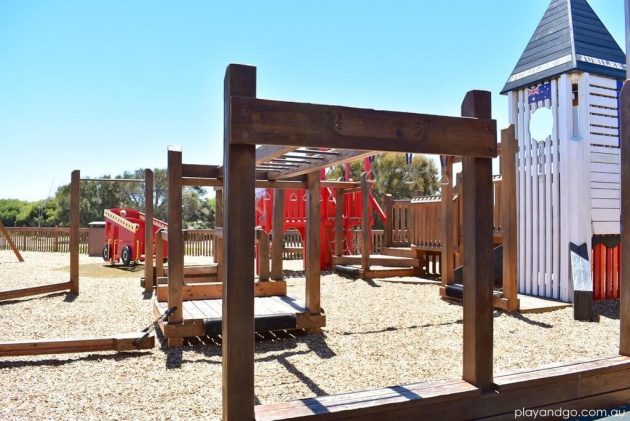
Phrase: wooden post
(75,184)
(148,230)
(478,271)
(278,235)
(339,223)
(447,264)
(263,255)
(238,241)
(365,223)
(11,243)
(624,284)
(175,240)
(389,212)
(313,268)
(159,255)
(218,202)
(508,216)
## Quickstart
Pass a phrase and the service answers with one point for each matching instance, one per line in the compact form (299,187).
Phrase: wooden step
(214,290)
(197,270)
(378,260)
(376,273)
(400,252)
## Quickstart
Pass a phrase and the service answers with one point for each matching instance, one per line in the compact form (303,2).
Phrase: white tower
(568,178)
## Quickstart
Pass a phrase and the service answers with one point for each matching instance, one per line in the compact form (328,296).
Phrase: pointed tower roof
(570,36)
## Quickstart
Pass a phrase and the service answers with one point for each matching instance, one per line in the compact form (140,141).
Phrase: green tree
(393,175)
(10,209)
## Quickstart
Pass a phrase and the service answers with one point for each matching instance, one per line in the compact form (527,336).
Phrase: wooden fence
(198,242)
(44,239)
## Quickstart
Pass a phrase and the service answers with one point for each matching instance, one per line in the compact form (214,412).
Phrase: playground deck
(204,317)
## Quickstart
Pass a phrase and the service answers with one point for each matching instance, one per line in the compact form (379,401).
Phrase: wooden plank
(339,222)
(175,240)
(268,152)
(365,223)
(313,268)
(38,290)
(238,252)
(339,158)
(123,342)
(378,260)
(378,273)
(265,122)
(263,255)
(11,243)
(388,240)
(509,150)
(148,230)
(478,276)
(214,290)
(199,171)
(447,263)
(75,221)
(624,287)
(278,233)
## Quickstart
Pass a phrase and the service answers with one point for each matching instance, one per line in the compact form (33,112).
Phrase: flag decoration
(539,93)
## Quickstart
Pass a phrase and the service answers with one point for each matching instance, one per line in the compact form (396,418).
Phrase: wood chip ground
(377,334)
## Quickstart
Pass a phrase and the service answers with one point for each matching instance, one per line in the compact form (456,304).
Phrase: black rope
(147,330)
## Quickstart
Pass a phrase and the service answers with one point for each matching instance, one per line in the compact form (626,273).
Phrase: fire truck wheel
(125,255)
(106,253)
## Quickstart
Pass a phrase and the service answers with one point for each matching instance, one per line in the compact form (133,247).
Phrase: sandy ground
(378,334)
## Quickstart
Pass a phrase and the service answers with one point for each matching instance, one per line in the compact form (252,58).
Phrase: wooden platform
(204,317)
(595,383)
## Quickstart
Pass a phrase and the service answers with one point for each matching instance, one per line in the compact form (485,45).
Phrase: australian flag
(539,93)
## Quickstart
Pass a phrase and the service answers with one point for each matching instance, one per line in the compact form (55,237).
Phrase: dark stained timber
(266,122)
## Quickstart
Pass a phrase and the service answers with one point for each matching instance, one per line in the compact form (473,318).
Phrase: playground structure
(291,204)
(272,124)
(125,235)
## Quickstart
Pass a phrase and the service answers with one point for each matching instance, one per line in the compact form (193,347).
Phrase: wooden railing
(44,239)
(199,242)
(419,221)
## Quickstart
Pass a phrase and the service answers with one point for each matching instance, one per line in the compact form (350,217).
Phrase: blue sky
(105,86)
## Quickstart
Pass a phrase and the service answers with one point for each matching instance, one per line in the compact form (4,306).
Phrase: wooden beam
(125,342)
(389,213)
(75,223)
(328,161)
(339,223)
(478,273)
(365,223)
(214,290)
(509,148)
(11,243)
(38,290)
(238,233)
(269,152)
(447,263)
(199,171)
(148,230)
(313,268)
(175,240)
(263,254)
(264,122)
(278,235)
(624,287)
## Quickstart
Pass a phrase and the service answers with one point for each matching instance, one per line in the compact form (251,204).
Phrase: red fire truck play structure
(124,234)
(295,216)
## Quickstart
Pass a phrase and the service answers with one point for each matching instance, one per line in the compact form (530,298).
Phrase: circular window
(541,124)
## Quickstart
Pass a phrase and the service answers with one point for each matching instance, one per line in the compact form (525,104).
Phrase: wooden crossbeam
(328,161)
(214,290)
(268,152)
(200,171)
(266,122)
(124,342)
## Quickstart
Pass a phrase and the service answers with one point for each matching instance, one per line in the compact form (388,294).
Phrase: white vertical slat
(522,206)
(585,188)
(528,195)
(548,219)
(542,221)
(513,116)
(565,124)
(535,180)
(555,193)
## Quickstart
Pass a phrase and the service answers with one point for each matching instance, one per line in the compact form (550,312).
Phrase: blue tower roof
(570,36)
